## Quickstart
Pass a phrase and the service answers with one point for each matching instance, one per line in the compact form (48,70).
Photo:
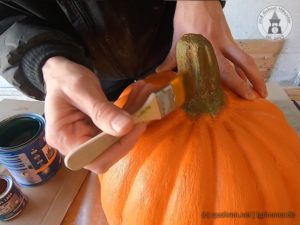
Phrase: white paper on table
(48,202)
(10,107)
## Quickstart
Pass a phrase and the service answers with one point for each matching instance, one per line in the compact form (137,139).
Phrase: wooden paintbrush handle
(89,151)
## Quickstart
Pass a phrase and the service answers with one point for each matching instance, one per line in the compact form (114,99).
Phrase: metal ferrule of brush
(166,100)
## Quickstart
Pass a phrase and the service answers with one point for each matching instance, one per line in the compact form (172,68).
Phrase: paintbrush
(157,105)
(196,86)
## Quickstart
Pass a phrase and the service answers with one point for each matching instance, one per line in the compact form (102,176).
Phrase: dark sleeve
(223,2)
(26,43)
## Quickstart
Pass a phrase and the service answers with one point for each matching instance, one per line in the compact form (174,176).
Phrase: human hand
(76,109)
(238,70)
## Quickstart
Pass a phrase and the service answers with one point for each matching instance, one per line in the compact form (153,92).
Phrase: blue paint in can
(24,151)
(12,201)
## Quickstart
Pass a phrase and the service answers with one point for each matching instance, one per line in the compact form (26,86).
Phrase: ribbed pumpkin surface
(245,159)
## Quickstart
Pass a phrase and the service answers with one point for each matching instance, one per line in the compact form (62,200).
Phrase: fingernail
(264,93)
(250,95)
(157,70)
(160,68)
(120,122)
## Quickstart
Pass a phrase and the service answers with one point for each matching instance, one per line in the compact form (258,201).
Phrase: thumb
(104,114)
(169,63)
(109,118)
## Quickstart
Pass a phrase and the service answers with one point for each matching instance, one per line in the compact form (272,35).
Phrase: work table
(86,207)
(264,53)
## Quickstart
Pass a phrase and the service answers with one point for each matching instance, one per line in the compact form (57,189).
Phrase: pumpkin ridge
(242,150)
(213,140)
(178,168)
(285,130)
(126,185)
(228,176)
(175,173)
(244,157)
(152,129)
(265,107)
(182,173)
(130,176)
(143,162)
(275,134)
(278,184)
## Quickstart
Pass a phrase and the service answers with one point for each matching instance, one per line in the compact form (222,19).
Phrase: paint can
(24,151)
(12,201)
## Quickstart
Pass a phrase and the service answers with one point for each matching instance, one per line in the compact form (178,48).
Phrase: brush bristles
(179,90)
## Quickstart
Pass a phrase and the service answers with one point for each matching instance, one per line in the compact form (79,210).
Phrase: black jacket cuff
(34,59)
(223,2)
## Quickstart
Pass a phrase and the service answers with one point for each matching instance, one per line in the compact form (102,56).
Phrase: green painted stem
(197,61)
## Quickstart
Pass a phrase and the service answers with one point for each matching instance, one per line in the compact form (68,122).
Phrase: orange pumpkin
(237,165)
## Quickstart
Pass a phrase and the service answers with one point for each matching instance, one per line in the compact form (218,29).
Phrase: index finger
(248,65)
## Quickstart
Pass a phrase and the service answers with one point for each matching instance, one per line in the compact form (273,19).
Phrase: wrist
(192,5)
(190,16)
(192,10)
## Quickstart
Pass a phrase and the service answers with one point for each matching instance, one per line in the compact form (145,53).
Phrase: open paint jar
(12,201)
(24,151)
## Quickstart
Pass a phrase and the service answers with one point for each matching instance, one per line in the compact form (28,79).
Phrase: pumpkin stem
(197,61)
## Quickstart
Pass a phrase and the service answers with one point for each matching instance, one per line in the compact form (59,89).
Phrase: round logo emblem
(275,23)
